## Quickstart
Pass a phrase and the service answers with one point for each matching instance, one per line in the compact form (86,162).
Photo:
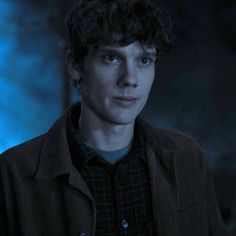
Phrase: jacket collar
(55,155)
(55,158)
(161,149)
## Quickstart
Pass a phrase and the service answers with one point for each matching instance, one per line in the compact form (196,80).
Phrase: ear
(72,67)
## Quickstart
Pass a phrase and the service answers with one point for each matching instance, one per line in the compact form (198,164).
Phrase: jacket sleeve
(3,224)
(216,224)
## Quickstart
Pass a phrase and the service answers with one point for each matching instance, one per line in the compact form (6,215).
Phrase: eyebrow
(119,53)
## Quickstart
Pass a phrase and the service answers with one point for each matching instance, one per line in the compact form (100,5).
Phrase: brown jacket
(42,193)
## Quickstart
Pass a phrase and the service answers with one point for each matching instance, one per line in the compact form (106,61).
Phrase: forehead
(130,49)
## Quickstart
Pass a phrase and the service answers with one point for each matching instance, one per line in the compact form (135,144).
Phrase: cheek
(101,75)
(96,84)
(147,79)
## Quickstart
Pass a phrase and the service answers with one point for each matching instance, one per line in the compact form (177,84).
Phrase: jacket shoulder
(23,156)
(176,139)
(169,139)
(185,148)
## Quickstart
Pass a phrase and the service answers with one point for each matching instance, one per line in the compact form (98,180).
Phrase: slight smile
(125,101)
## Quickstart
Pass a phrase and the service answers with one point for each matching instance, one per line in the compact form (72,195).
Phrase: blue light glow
(30,74)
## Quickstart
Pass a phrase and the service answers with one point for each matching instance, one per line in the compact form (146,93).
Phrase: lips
(125,101)
(126,98)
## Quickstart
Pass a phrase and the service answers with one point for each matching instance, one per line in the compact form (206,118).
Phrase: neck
(103,135)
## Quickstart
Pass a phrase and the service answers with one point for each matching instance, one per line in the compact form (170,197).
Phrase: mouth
(125,101)
(125,98)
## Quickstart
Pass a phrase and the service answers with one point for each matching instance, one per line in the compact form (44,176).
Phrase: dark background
(194,91)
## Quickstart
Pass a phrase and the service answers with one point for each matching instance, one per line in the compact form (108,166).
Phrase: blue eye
(111,59)
(145,61)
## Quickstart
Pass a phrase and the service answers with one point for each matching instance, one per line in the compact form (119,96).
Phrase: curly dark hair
(101,22)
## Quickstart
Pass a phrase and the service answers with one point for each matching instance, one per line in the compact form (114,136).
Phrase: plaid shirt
(121,191)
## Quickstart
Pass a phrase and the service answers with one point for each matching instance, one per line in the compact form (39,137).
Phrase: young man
(102,169)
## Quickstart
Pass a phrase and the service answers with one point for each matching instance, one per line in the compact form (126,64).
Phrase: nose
(128,76)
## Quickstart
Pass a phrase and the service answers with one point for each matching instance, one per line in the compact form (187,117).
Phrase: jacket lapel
(55,159)
(174,176)
(163,189)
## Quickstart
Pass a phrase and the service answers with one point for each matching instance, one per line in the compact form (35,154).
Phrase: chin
(123,120)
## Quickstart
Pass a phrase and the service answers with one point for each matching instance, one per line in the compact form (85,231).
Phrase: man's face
(116,81)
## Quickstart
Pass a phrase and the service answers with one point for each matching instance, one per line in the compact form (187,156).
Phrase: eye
(145,61)
(110,59)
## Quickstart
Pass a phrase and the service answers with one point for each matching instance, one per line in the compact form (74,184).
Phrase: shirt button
(124,224)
